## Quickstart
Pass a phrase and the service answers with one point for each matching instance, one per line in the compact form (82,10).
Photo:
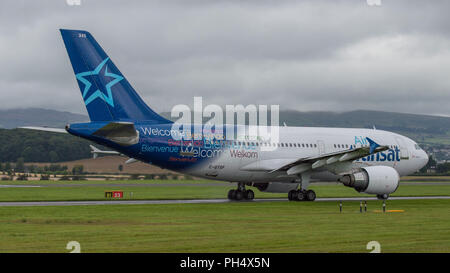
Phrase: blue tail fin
(106,93)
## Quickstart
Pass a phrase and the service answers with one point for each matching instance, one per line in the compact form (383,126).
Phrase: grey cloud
(303,55)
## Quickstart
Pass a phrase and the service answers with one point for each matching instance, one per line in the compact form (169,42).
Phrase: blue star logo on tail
(100,90)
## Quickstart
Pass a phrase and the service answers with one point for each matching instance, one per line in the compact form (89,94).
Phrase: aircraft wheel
(310,195)
(292,195)
(238,195)
(249,195)
(382,196)
(300,195)
(230,194)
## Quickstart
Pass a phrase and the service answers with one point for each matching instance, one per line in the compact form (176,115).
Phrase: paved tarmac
(196,201)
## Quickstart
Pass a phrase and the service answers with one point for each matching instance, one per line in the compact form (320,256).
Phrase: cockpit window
(417,147)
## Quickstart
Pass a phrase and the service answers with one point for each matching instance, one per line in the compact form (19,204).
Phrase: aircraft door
(404,153)
(321,145)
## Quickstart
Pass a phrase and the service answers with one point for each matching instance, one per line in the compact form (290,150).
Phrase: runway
(196,201)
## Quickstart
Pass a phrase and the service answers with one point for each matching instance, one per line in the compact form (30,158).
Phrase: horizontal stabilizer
(122,133)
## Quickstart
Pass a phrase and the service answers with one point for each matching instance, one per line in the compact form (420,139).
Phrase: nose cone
(425,158)
(422,159)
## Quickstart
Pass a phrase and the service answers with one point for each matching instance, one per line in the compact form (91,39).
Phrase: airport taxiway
(197,201)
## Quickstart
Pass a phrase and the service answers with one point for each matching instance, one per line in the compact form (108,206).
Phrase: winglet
(373,145)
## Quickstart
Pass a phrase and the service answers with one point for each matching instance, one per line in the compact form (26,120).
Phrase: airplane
(369,160)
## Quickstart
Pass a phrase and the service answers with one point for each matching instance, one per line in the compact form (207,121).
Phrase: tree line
(439,168)
(37,146)
(20,167)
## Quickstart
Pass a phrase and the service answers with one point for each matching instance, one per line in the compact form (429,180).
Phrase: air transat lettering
(361,140)
(389,155)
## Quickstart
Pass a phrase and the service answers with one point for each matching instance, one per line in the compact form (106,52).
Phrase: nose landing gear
(382,196)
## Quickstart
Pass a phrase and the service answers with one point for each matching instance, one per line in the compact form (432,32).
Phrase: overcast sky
(303,55)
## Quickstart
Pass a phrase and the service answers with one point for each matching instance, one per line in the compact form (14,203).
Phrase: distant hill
(37,117)
(397,122)
(391,121)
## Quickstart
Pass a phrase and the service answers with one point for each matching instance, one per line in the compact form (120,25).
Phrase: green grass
(229,227)
(422,178)
(189,192)
(100,182)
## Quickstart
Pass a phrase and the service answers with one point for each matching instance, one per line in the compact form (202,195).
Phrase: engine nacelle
(275,187)
(373,180)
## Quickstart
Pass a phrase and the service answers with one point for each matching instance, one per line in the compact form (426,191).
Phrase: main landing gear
(303,194)
(241,193)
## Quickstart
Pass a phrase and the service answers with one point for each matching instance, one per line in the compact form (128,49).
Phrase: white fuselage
(249,161)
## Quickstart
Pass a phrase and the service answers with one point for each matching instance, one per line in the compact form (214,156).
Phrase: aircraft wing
(311,163)
(47,129)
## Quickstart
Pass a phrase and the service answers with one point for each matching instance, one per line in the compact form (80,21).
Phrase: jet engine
(380,180)
(276,187)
